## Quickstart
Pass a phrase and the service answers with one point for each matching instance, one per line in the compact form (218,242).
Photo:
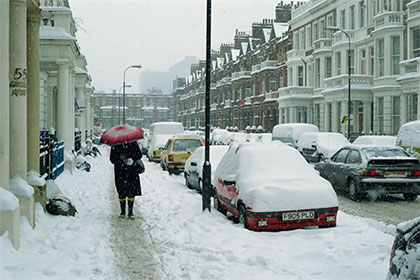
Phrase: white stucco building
(65,81)
(42,76)
(384,65)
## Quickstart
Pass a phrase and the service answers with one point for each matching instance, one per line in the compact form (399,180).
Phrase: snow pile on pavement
(66,247)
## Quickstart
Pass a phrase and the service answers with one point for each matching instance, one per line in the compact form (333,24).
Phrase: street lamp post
(334,28)
(119,103)
(124,86)
(207,167)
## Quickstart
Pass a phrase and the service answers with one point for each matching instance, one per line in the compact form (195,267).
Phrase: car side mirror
(160,148)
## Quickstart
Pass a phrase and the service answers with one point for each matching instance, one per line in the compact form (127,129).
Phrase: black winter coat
(127,182)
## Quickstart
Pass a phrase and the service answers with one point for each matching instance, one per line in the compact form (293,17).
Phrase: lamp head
(136,66)
(331,28)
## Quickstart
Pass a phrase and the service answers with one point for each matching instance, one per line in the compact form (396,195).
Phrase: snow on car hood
(282,195)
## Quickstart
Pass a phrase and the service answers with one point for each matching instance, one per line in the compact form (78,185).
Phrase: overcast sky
(156,34)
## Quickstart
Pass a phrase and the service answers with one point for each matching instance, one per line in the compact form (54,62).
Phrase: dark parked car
(358,169)
(405,254)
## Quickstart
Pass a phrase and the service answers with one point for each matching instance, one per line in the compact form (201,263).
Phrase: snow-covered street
(173,239)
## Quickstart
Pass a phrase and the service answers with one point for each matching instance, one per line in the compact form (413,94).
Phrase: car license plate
(395,173)
(292,216)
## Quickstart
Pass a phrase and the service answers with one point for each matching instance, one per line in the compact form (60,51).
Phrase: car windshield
(186,144)
(384,152)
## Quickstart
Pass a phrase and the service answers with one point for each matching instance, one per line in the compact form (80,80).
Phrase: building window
(281,80)
(302,39)
(248,91)
(262,86)
(328,67)
(308,37)
(381,58)
(362,13)
(316,37)
(291,76)
(352,17)
(363,61)
(371,61)
(416,42)
(343,19)
(395,114)
(296,40)
(380,115)
(396,55)
(317,73)
(351,61)
(300,76)
(338,62)
(272,84)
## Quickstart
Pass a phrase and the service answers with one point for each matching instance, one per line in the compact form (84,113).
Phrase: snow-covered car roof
(374,151)
(327,142)
(274,176)
(376,140)
(409,134)
(216,154)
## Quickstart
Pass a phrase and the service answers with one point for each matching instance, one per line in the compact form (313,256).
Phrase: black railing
(51,156)
(77,141)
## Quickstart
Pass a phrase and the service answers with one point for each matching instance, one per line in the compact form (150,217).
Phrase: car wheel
(354,191)
(218,207)
(410,196)
(187,183)
(242,216)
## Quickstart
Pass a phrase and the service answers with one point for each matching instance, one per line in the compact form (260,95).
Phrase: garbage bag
(60,205)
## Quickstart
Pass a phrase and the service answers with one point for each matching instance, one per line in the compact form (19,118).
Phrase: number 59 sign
(18,85)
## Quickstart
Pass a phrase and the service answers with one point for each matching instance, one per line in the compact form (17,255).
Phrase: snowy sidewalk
(131,243)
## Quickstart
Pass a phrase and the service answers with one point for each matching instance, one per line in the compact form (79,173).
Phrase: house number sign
(18,86)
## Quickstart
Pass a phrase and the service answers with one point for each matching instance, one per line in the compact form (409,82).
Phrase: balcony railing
(291,91)
(295,54)
(343,80)
(213,106)
(413,9)
(271,95)
(387,19)
(411,66)
(340,36)
(269,64)
(256,68)
(241,75)
(228,103)
(323,43)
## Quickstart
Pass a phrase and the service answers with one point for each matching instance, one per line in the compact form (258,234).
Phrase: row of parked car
(287,184)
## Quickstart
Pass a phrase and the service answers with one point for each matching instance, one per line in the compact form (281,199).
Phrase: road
(390,210)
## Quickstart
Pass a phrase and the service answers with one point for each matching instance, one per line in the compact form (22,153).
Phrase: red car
(272,187)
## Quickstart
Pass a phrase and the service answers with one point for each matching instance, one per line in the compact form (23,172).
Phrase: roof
(279,28)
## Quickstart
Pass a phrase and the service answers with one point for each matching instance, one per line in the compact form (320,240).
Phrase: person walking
(127,181)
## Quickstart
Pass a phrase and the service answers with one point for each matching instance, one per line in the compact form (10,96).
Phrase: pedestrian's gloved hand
(128,161)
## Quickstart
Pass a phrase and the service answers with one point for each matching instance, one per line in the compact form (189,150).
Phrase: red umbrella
(121,134)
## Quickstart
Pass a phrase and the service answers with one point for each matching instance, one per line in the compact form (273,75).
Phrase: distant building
(141,109)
